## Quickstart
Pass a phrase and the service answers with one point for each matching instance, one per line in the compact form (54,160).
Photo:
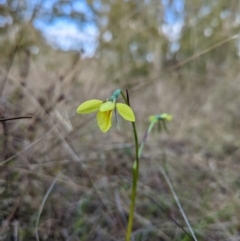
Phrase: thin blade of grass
(43,203)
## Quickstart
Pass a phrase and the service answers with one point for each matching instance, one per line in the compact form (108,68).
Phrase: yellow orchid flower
(160,120)
(105,109)
(163,116)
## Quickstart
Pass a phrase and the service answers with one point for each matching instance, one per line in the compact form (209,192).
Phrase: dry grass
(90,198)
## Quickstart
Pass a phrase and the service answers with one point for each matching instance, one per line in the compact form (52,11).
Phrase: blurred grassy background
(180,57)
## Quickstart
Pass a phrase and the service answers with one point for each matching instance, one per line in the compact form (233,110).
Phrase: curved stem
(145,137)
(135,172)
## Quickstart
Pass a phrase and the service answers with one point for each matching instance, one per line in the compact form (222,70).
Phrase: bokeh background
(60,177)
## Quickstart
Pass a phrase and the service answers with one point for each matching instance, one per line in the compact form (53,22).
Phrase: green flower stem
(135,172)
(135,175)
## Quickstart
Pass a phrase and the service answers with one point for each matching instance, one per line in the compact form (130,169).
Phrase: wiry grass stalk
(168,181)
(178,202)
(43,203)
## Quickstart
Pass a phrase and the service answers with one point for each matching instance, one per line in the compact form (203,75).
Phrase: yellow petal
(152,118)
(89,106)
(104,120)
(126,112)
(166,116)
(108,105)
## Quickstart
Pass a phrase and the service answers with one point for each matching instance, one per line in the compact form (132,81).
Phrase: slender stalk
(145,137)
(169,184)
(135,173)
(43,203)
(178,202)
